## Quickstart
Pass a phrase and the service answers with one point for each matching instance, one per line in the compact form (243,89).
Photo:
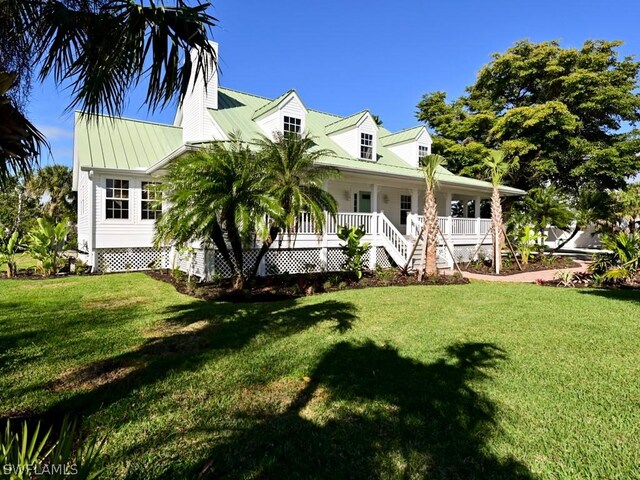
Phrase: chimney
(201,95)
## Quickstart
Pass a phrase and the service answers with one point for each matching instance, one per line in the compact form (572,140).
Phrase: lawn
(470,381)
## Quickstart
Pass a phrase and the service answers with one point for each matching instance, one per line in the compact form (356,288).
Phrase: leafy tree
(18,207)
(217,194)
(53,183)
(497,167)
(559,110)
(296,183)
(628,205)
(547,207)
(431,166)
(99,49)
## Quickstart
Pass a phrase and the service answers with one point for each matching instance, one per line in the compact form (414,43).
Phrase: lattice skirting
(203,263)
(131,259)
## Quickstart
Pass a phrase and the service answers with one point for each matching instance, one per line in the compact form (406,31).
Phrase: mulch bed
(290,286)
(534,265)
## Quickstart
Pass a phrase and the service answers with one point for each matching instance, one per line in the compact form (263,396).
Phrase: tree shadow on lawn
(388,417)
(622,294)
(191,334)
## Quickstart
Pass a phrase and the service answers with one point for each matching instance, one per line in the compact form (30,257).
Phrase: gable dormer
(410,145)
(357,135)
(286,113)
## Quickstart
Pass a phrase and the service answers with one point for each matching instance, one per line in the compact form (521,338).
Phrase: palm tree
(54,183)
(497,166)
(296,182)
(547,207)
(589,206)
(217,194)
(431,165)
(99,49)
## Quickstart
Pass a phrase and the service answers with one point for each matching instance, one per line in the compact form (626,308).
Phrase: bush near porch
(473,381)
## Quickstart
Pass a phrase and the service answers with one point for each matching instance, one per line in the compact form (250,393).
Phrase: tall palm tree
(296,182)
(54,182)
(497,167)
(217,194)
(431,165)
(99,49)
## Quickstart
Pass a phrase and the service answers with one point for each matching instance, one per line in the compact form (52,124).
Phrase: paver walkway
(526,277)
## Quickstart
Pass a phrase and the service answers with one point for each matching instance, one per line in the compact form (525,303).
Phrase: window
(405,208)
(117,205)
(423,151)
(292,125)
(151,207)
(366,146)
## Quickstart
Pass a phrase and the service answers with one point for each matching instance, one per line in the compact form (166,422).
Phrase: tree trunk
(496,227)
(430,241)
(564,242)
(273,234)
(218,240)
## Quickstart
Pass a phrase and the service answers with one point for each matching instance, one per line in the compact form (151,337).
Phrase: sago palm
(296,182)
(431,165)
(99,49)
(218,194)
(497,167)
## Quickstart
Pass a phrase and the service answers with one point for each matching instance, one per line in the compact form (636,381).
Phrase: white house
(381,186)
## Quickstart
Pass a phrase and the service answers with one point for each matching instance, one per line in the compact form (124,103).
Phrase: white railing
(393,240)
(349,220)
(306,225)
(451,226)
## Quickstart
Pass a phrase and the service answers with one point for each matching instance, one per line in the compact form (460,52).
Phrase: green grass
(24,262)
(471,381)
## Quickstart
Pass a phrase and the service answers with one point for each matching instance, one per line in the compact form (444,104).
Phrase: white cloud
(53,132)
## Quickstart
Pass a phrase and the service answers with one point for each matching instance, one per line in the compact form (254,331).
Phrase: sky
(343,56)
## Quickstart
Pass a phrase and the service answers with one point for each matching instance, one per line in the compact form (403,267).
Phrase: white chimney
(201,95)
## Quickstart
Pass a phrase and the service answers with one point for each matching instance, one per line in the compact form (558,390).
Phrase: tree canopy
(561,111)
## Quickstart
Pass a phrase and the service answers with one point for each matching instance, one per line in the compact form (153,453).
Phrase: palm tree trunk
(236,248)
(430,241)
(567,240)
(221,245)
(273,235)
(496,226)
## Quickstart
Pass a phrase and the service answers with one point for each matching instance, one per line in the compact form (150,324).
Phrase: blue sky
(344,56)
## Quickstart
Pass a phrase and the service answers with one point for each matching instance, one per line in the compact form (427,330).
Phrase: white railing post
(324,251)
(409,225)
(374,242)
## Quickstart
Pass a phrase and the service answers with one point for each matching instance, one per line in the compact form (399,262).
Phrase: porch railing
(450,226)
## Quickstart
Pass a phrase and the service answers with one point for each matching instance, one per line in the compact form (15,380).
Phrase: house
(381,187)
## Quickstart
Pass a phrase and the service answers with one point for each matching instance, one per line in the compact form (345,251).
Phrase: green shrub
(47,242)
(9,252)
(622,262)
(27,454)
(527,243)
(353,250)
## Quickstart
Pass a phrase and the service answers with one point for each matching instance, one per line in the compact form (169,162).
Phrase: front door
(364,203)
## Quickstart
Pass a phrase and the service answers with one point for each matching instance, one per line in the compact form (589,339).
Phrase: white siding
(349,139)
(274,122)
(131,232)
(84,212)
(270,124)
(409,151)
(368,125)
(197,124)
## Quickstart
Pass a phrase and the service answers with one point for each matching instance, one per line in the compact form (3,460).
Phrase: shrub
(527,243)
(28,454)
(353,250)
(622,262)
(9,252)
(47,242)
(566,278)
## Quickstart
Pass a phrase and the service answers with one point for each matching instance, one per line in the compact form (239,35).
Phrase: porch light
(385,199)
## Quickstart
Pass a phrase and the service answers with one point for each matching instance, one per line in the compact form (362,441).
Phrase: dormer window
(292,125)
(423,151)
(366,146)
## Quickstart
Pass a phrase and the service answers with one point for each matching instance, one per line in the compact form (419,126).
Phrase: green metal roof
(121,143)
(272,105)
(344,123)
(402,136)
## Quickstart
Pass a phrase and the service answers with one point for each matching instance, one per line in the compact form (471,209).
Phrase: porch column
(414,200)
(479,235)
(374,198)
(447,204)
(476,206)
(465,208)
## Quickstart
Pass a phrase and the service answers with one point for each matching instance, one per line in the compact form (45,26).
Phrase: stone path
(526,277)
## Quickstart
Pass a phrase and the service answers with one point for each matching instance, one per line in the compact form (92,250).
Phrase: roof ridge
(128,119)
(360,113)
(402,131)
